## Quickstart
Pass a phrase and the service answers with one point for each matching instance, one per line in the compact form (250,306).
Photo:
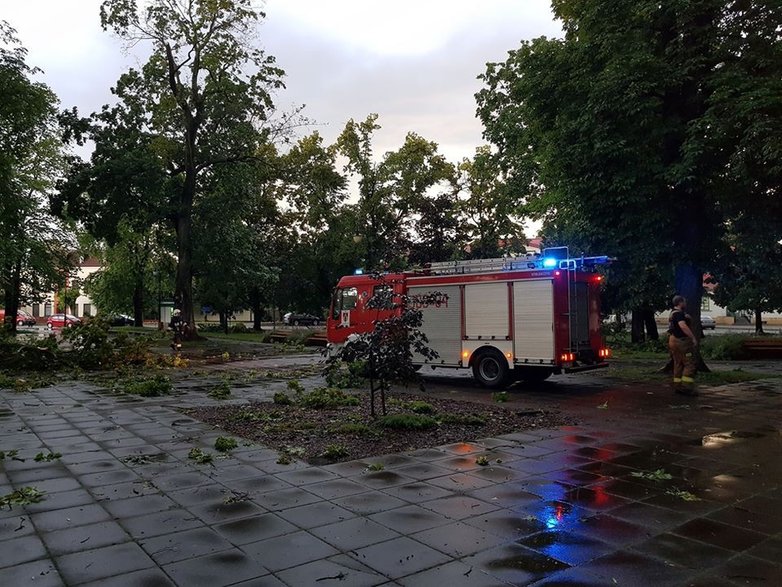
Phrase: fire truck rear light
(557,273)
(568,357)
(604,353)
(509,355)
(465,354)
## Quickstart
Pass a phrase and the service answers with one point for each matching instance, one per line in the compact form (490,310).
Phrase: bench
(763,348)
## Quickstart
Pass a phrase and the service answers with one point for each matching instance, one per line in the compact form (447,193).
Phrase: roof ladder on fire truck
(529,261)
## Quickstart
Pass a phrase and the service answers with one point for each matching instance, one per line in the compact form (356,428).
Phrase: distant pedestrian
(177,326)
(682,344)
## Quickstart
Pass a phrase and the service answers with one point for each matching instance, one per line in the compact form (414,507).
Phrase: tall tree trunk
(637,326)
(12,293)
(224,321)
(651,324)
(759,321)
(255,306)
(138,302)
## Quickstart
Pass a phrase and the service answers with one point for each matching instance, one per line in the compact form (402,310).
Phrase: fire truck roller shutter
(533,311)
(441,322)
(486,311)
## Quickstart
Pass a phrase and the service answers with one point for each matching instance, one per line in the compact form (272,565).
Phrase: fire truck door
(533,312)
(442,322)
(486,311)
(579,315)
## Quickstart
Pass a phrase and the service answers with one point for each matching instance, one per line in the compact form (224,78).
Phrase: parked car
(119,320)
(293,319)
(707,322)
(22,318)
(61,320)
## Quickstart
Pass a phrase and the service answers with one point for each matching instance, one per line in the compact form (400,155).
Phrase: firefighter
(682,344)
(177,326)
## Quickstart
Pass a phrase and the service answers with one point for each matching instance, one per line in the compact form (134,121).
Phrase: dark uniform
(682,350)
(177,326)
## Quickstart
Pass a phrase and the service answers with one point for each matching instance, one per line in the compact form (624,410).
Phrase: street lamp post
(159,301)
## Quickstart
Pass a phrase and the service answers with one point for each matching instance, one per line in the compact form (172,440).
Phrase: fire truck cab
(507,319)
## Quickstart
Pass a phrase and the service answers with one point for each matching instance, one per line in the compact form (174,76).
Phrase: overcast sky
(414,62)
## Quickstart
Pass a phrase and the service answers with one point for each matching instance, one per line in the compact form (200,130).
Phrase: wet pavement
(649,489)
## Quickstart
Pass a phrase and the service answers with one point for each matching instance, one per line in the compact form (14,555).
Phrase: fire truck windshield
(344,299)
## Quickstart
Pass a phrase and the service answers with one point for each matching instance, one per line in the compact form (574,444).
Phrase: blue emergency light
(550,262)
(358,272)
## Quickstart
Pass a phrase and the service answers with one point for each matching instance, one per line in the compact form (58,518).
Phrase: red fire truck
(522,318)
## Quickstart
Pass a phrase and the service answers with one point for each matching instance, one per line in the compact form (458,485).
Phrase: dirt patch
(348,432)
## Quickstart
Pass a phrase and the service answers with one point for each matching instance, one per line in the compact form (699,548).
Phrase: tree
(489,211)
(616,132)
(33,245)
(388,350)
(392,190)
(205,94)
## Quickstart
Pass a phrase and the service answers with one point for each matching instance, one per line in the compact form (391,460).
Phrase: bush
(281,399)
(238,327)
(335,451)
(724,347)
(224,444)
(90,344)
(346,375)
(420,407)
(328,397)
(407,422)
(152,387)
(220,391)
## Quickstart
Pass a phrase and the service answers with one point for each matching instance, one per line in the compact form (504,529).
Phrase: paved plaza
(590,504)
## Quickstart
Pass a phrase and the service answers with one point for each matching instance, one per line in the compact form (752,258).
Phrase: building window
(87,310)
(705,304)
(47,309)
(36,310)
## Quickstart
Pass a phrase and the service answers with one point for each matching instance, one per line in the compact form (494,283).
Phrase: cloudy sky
(414,62)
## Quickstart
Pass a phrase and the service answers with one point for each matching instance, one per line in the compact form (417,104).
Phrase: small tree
(389,349)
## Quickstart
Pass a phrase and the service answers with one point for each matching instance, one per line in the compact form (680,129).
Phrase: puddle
(530,563)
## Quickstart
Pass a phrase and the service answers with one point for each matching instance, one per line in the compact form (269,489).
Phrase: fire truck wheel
(490,369)
(531,374)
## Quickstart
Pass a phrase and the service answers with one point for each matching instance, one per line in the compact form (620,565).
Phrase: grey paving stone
(316,514)
(143,578)
(255,528)
(417,492)
(256,485)
(458,539)
(458,507)
(336,488)
(171,548)
(15,526)
(156,524)
(288,551)
(400,557)
(409,519)
(306,476)
(69,517)
(215,570)
(460,482)
(59,484)
(86,537)
(41,573)
(124,490)
(339,570)
(199,494)
(137,506)
(111,561)
(108,478)
(382,479)
(183,481)
(219,511)
(21,550)
(354,533)
(453,574)
(285,498)
(369,503)
(514,564)
(40,473)
(61,500)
